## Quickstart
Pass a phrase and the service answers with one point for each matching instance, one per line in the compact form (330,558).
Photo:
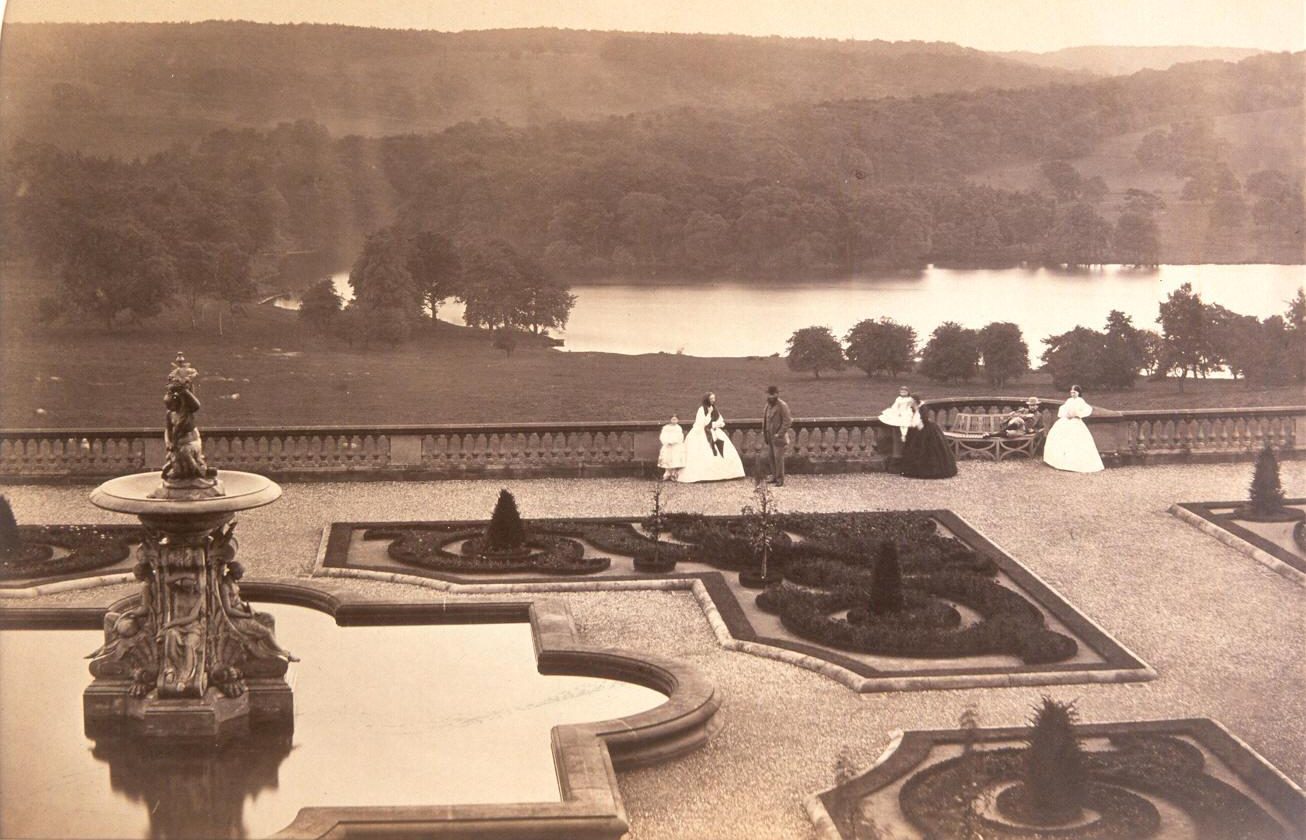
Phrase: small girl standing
(902,414)
(672,457)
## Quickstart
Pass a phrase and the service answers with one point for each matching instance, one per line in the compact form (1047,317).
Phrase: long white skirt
(703,464)
(1070,446)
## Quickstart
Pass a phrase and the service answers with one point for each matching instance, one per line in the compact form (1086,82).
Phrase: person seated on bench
(1022,422)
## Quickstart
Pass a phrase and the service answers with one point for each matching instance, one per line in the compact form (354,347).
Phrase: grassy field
(266,370)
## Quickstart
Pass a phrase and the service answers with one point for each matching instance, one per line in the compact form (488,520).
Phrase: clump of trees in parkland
(400,280)
(1194,339)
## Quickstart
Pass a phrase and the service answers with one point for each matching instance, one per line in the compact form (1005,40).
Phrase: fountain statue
(189,659)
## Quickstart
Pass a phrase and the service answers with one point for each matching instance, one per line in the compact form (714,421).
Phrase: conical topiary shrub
(1265,497)
(11,541)
(1266,491)
(506,531)
(1054,771)
(886,580)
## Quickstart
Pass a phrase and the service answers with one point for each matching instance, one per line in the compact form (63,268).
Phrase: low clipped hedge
(1009,624)
(545,552)
(88,546)
(853,538)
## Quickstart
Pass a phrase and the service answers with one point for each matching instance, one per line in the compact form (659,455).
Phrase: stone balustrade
(1131,437)
(834,444)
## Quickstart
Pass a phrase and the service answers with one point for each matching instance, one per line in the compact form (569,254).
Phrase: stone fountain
(189,659)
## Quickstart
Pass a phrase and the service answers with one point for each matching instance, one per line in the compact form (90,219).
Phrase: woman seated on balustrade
(926,453)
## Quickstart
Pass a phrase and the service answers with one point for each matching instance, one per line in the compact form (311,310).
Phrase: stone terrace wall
(835,444)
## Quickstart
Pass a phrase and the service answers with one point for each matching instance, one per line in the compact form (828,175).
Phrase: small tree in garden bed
(1265,499)
(506,531)
(886,580)
(654,560)
(1054,771)
(762,530)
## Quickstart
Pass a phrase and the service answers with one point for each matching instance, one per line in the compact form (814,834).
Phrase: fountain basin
(132,494)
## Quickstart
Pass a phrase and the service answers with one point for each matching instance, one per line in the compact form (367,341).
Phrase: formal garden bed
(1280,545)
(1058,779)
(892,600)
(45,554)
(1269,527)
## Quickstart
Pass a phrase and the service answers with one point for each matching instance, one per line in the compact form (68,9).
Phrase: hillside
(129,89)
(1268,139)
(803,189)
(1123,61)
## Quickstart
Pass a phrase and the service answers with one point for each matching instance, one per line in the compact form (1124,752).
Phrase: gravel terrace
(1225,633)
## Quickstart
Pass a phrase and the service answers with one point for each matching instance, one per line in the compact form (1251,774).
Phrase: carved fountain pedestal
(190,659)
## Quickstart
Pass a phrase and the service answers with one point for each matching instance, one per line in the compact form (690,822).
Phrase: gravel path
(1225,633)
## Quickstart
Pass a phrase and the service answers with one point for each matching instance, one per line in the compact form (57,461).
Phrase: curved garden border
(30,586)
(585,754)
(735,632)
(1229,532)
(908,750)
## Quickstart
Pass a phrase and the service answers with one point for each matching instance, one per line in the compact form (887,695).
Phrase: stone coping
(1227,530)
(907,751)
(585,754)
(734,631)
(50,433)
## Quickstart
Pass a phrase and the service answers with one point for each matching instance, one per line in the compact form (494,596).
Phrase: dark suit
(776,423)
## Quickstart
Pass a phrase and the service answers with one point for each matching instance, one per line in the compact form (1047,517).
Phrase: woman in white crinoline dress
(709,454)
(1070,445)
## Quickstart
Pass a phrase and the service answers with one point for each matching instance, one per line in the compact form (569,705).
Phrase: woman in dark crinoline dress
(926,452)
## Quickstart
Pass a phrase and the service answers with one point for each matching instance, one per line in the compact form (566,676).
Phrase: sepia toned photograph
(667,420)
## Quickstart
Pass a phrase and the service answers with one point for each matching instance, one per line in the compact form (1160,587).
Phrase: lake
(738,319)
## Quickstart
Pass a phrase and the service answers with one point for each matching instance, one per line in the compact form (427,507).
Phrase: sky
(1036,25)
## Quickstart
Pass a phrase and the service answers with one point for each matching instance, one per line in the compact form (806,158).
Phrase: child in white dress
(902,414)
(672,456)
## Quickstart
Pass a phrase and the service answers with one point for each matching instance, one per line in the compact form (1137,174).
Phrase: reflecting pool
(391,715)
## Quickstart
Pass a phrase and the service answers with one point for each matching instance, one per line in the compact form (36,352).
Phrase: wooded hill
(1122,61)
(133,88)
(789,161)
(791,191)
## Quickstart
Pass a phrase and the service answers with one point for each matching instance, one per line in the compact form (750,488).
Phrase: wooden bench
(979,436)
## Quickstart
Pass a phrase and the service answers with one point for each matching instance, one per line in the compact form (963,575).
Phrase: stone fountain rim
(130,494)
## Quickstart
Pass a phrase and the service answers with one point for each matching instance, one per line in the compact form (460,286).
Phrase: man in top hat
(1025,420)
(776,423)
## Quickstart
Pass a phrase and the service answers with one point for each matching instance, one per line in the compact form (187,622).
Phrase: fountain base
(110,710)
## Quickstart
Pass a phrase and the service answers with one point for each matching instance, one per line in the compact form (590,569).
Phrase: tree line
(402,277)
(1194,339)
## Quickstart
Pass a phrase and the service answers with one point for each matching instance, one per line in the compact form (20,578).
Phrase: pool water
(393,715)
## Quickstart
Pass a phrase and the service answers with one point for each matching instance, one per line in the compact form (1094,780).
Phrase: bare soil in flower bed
(59,550)
(1283,514)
